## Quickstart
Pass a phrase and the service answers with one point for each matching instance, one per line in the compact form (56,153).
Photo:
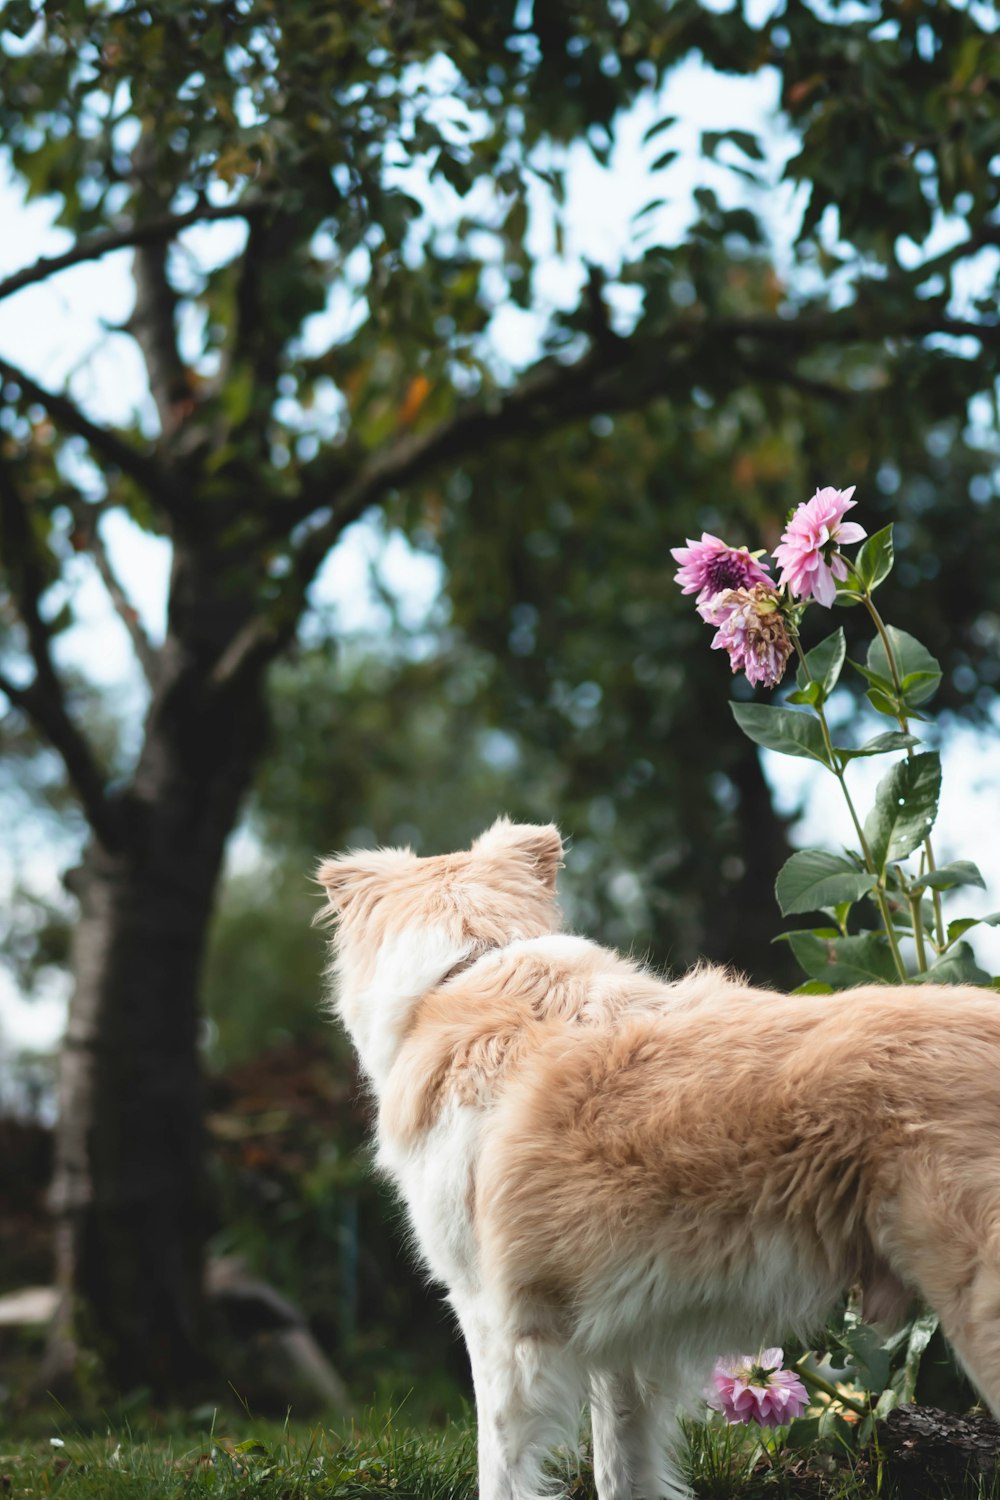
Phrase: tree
(326,133)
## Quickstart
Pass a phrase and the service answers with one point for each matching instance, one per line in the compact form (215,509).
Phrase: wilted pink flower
(757,1389)
(711,566)
(752,629)
(808,551)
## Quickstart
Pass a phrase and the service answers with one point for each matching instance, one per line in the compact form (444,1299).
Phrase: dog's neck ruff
(478,952)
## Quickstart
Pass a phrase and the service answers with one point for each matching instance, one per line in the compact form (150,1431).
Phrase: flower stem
(904,725)
(918,931)
(810,1378)
(838,771)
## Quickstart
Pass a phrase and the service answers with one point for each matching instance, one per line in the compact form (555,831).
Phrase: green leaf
(811,694)
(892,739)
(811,947)
(874,679)
(814,878)
(803,1432)
(874,561)
(959,872)
(906,802)
(781,729)
(957,966)
(812,987)
(962,924)
(664,160)
(883,702)
(658,128)
(869,1356)
(824,664)
(864,959)
(917,687)
(913,661)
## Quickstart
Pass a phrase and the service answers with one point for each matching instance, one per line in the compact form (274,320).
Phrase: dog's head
(404,922)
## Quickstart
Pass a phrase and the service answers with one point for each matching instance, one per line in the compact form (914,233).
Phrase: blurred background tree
(401,176)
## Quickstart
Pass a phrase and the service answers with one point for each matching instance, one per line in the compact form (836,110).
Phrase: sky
(62,331)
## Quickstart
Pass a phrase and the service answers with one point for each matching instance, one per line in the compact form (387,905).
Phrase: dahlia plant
(889,862)
(890,859)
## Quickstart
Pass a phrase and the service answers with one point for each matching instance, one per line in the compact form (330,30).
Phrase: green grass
(241,1459)
(256,1459)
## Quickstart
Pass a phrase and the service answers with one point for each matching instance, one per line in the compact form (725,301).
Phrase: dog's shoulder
(470,1033)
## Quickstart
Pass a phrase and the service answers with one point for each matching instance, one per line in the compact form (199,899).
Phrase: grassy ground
(294,1462)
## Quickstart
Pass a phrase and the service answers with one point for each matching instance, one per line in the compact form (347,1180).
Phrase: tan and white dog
(619,1179)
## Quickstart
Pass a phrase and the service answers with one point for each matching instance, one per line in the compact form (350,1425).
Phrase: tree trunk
(128,1188)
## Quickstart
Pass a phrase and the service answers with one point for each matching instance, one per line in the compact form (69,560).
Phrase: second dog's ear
(540,843)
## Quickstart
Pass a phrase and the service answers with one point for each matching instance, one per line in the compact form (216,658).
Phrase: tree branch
(152,231)
(146,653)
(43,700)
(107,445)
(560,391)
(615,374)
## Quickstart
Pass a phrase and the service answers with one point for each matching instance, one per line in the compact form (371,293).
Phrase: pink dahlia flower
(749,1389)
(711,566)
(808,552)
(752,629)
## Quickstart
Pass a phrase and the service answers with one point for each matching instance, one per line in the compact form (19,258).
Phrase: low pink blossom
(808,553)
(753,630)
(756,1389)
(711,566)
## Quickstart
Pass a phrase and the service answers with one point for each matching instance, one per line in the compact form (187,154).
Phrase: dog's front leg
(528,1399)
(632,1430)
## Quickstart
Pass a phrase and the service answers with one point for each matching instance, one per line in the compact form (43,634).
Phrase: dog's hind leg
(529,1398)
(973,1330)
(632,1428)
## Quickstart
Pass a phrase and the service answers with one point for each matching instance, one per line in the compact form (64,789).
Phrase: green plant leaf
(781,729)
(811,947)
(803,1432)
(812,987)
(869,1356)
(658,127)
(865,959)
(957,966)
(962,924)
(882,744)
(838,962)
(913,662)
(874,679)
(823,664)
(906,802)
(885,703)
(814,878)
(874,561)
(946,877)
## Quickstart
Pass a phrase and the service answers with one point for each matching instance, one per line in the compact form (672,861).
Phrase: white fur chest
(434,1175)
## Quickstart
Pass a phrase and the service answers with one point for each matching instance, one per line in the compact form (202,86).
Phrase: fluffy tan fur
(635,1176)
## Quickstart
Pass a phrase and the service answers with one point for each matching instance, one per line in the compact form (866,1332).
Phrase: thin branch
(107,445)
(43,700)
(48,714)
(145,651)
(256,642)
(152,231)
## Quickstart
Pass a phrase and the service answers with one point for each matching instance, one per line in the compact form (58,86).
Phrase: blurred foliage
(406,169)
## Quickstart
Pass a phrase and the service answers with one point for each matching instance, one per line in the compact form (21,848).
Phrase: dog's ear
(339,878)
(541,844)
